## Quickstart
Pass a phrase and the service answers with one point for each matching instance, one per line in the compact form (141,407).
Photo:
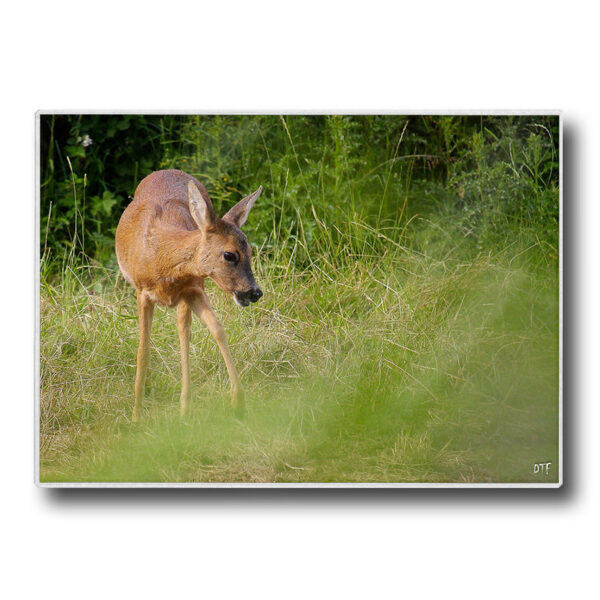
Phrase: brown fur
(168,241)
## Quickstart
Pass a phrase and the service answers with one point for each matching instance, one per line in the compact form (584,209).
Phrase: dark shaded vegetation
(487,177)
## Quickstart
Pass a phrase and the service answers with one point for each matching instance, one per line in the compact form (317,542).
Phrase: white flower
(86,141)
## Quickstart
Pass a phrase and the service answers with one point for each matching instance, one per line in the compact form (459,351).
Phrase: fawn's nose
(255,295)
(251,295)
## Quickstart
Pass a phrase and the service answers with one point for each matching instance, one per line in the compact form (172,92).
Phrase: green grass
(366,361)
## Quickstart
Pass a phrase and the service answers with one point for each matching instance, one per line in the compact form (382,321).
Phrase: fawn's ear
(238,215)
(200,208)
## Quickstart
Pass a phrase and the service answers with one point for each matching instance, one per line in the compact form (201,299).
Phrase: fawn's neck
(179,254)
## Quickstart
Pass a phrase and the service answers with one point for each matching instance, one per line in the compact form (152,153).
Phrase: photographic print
(299,300)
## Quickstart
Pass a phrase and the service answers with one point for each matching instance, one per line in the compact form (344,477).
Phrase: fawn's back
(159,210)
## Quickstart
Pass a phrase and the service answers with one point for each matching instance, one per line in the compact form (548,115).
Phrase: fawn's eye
(230,257)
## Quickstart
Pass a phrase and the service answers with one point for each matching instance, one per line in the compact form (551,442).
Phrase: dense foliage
(485,177)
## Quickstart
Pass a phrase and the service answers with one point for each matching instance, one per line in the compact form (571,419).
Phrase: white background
(274,56)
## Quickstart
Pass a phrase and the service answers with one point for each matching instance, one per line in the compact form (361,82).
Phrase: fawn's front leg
(184,326)
(201,306)
(145,312)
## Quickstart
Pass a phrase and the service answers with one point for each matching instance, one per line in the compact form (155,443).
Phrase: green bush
(90,166)
(483,179)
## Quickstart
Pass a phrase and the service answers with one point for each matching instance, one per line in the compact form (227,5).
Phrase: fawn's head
(225,254)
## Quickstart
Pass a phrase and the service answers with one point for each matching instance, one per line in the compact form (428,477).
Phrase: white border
(345,485)
(36,301)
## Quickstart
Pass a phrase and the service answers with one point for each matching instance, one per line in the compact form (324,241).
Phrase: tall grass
(398,367)
(387,347)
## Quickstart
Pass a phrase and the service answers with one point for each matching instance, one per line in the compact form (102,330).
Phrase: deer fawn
(168,241)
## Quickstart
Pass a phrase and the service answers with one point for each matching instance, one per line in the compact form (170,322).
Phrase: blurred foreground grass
(398,367)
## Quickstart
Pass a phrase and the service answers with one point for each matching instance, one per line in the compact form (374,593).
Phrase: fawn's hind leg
(145,313)
(201,306)
(184,326)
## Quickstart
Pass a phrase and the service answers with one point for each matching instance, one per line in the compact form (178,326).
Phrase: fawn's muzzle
(251,295)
